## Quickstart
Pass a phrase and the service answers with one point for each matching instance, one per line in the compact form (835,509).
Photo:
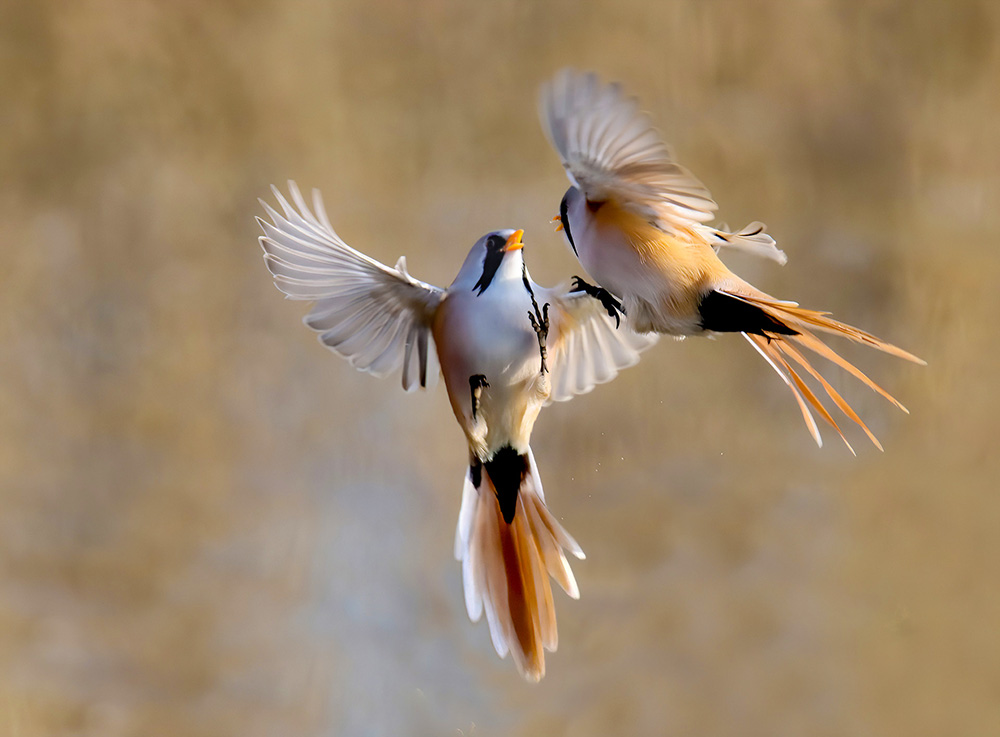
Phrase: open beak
(514,242)
(557,219)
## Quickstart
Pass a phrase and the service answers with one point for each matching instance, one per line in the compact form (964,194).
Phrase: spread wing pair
(379,318)
(505,346)
(637,221)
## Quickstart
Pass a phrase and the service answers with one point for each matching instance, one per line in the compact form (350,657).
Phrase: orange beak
(557,219)
(514,242)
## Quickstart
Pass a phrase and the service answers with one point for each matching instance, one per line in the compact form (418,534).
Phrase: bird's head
(497,255)
(571,203)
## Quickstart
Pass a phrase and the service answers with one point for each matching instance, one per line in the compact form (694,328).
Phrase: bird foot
(540,324)
(602,295)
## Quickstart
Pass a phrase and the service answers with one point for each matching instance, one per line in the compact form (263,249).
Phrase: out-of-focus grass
(211,526)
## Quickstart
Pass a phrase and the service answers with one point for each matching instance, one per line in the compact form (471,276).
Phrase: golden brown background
(211,526)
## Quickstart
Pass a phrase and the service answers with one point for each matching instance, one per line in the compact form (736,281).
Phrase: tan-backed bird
(636,220)
(502,356)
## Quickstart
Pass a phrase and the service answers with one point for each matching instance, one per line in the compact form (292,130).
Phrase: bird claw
(611,304)
(539,320)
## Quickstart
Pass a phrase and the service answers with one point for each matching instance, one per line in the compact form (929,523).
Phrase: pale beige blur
(209,525)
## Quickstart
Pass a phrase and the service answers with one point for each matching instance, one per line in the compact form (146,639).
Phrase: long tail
(509,544)
(787,326)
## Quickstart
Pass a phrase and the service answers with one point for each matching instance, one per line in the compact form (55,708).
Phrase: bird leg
(477,382)
(602,295)
(540,324)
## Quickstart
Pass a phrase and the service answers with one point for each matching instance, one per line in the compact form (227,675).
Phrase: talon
(614,309)
(540,324)
(610,303)
(539,319)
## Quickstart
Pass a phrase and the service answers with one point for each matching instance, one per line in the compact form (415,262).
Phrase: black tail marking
(507,469)
(723,313)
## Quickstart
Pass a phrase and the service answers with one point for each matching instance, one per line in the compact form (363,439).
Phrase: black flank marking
(476,471)
(722,313)
(507,469)
(564,217)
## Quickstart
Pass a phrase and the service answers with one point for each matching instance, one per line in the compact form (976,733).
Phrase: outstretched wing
(376,317)
(612,152)
(585,348)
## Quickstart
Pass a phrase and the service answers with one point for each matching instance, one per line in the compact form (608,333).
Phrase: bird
(505,347)
(638,223)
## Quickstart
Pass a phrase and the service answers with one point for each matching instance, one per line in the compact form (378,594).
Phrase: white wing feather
(611,151)
(376,317)
(585,346)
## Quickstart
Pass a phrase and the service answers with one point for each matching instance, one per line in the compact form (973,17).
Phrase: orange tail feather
(775,348)
(506,569)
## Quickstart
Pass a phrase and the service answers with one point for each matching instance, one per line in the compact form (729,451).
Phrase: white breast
(490,334)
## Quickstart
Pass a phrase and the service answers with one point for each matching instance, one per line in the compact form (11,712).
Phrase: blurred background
(209,525)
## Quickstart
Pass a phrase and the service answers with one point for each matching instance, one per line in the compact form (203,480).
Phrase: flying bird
(637,221)
(506,347)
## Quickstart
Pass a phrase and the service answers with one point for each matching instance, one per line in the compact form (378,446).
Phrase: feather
(365,311)
(801,319)
(808,393)
(788,349)
(506,568)
(751,239)
(821,321)
(817,346)
(765,350)
(611,151)
(586,346)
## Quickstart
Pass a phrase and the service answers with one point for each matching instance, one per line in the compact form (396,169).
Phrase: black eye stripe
(564,217)
(495,249)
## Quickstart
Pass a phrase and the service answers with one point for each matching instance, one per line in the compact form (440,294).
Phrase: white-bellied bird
(506,347)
